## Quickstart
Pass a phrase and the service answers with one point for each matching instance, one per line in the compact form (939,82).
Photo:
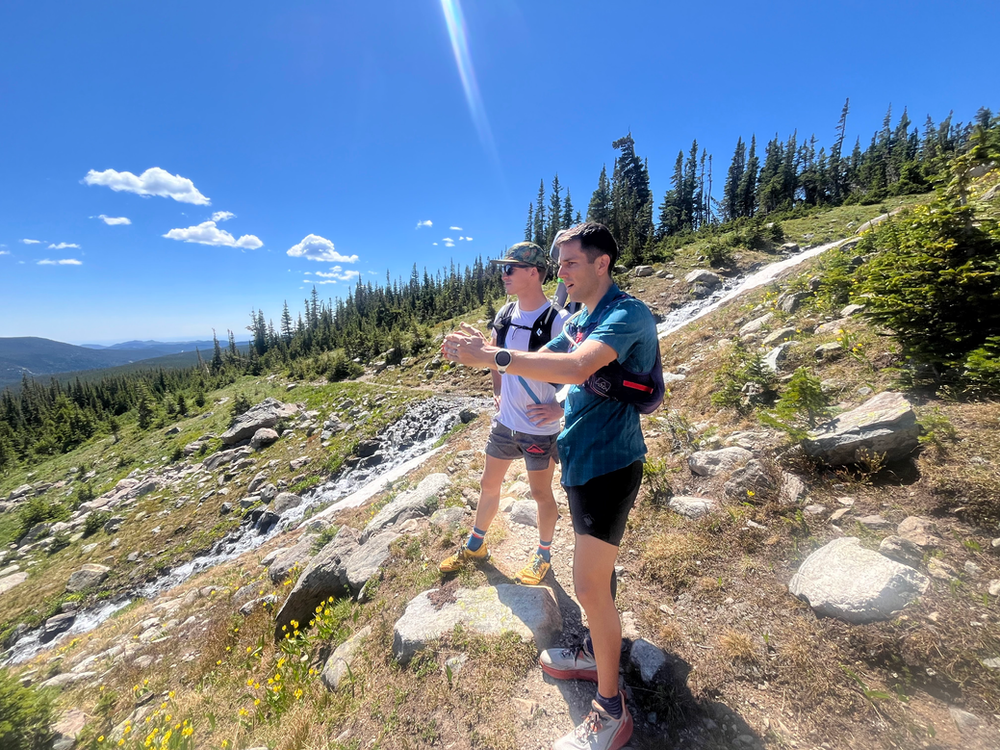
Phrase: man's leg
(540,560)
(489,502)
(593,564)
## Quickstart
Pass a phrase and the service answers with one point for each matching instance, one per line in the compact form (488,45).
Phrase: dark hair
(595,239)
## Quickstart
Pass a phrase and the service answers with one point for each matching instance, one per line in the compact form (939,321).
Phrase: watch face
(502,358)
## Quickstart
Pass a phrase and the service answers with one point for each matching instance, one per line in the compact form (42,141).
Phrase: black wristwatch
(502,360)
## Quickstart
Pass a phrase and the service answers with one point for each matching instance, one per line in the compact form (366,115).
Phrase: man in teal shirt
(602,451)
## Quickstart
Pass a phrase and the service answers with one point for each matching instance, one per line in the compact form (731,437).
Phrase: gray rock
(286,559)
(753,482)
(525,512)
(704,277)
(723,460)
(828,351)
(692,507)
(941,570)
(920,531)
(901,550)
(529,611)
(964,721)
(833,326)
(885,424)
(777,337)
(792,489)
(416,503)
(643,271)
(790,302)
(366,561)
(89,575)
(56,625)
(258,481)
(267,492)
(10,581)
(777,355)
(754,326)
(17,494)
(448,517)
(846,581)
(285,501)
(874,522)
(324,576)
(851,310)
(68,728)
(267,413)
(67,678)
(648,659)
(221,458)
(37,531)
(297,463)
(993,587)
(338,665)
(993,664)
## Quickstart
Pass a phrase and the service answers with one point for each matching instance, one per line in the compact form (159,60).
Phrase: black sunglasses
(508,268)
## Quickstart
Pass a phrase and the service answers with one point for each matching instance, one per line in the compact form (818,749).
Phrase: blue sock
(545,550)
(611,706)
(475,539)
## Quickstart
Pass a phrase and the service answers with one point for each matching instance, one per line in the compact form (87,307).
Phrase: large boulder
(844,580)
(723,460)
(67,728)
(299,554)
(325,576)
(692,507)
(285,501)
(529,611)
(414,503)
(267,413)
(885,424)
(704,277)
(89,575)
(56,625)
(366,561)
(263,437)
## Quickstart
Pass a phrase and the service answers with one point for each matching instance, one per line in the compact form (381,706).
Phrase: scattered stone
(68,728)
(285,501)
(901,550)
(993,664)
(994,587)
(814,510)
(789,302)
(723,460)
(846,581)
(299,554)
(67,678)
(965,721)
(467,415)
(10,581)
(941,570)
(779,336)
(874,522)
(338,665)
(851,310)
(525,512)
(972,570)
(642,271)
(828,351)
(259,480)
(704,277)
(267,492)
(753,482)
(755,325)
(777,355)
(792,489)
(692,507)
(647,658)
(297,463)
(921,531)
(55,625)
(448,517)
(89,575)
(885,424)
(531,612)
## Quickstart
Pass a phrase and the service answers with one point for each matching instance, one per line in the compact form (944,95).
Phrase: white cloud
(64,246)
(32,242)
(468,239)
(112,220)
(63,262)
(223,216)
(338,274)
(455,229)
(449,244)
(319,248)
(207,233)
(427,223)
(447,239)
(434,243)
(4,252)
(153,181)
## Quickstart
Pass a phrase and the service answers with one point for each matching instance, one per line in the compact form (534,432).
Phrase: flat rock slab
(366,561)
(12,580)
(531,612)
(692,507)
(885,424)
(525,512)
(710,463)
(267,413)
(338,665)
(844,580)
(89,575)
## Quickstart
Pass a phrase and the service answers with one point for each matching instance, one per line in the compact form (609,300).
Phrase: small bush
(654,475)
(801,406)
(39,510)
(25,715)
(342,368)
(241,405)
(95,521)
(744,381)
(717,254)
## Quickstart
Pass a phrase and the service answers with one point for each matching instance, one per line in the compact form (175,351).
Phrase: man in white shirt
(527,421)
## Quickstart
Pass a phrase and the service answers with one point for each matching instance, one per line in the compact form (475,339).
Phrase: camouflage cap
(524,252)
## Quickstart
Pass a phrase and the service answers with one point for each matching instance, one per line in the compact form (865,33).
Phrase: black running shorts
(600,507)
(536,450)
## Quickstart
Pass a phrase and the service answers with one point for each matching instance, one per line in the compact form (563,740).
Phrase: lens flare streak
(460,46)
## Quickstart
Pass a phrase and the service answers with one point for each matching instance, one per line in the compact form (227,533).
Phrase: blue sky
(309,141)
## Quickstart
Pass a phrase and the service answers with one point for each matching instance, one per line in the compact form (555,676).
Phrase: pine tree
(539,236)
(747,190)
(529,227)
(834,167)
(216,354)
(567,214)
(555,212)
(286,324)
(599,209)
(731,190)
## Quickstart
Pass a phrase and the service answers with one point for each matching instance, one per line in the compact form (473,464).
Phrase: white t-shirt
(514,397)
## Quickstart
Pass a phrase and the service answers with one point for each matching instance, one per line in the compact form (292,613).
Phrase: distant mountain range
(41,358)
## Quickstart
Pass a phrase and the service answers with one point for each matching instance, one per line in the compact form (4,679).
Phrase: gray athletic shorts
(536,450)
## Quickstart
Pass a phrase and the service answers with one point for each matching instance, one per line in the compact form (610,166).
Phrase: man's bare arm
(552,367)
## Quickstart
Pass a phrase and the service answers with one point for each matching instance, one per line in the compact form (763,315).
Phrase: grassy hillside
(750,665)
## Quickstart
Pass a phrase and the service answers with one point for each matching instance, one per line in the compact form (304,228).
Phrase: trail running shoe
(574,663)
(599,731)
(533,573)
(462,557)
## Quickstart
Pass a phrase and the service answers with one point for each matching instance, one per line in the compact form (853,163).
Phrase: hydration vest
(541,329)
(644,390)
